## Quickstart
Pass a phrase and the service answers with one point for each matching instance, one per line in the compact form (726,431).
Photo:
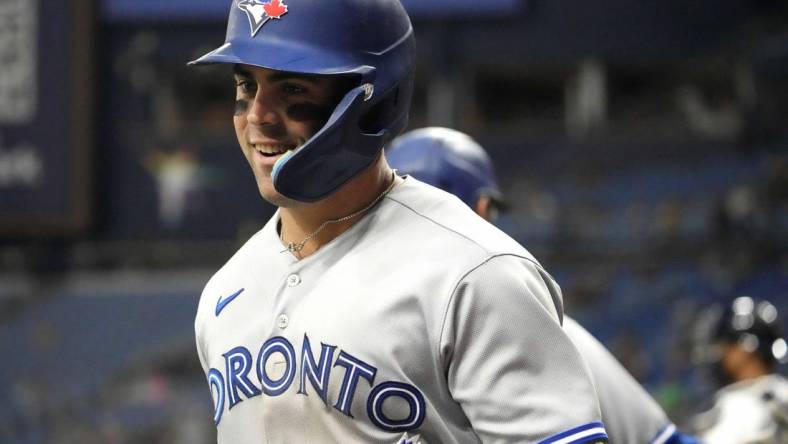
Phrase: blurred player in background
(454,162)
(741,346)
(371,307)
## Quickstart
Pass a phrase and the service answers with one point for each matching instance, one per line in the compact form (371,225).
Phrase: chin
(269,193)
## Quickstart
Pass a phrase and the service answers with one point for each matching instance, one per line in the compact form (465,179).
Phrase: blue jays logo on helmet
(259,13)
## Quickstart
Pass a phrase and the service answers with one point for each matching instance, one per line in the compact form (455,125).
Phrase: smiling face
(277,111)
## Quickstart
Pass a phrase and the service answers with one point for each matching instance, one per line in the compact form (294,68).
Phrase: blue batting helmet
(371,40)
(446,159)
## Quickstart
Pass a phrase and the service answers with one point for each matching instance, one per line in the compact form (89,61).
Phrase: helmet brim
(282,57)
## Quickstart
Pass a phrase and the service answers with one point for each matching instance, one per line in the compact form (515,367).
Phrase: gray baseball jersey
(421,323)
(629,413)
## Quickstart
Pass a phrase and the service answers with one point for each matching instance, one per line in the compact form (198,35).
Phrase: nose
(263,110)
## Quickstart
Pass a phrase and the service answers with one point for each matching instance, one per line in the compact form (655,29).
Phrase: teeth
(269,149)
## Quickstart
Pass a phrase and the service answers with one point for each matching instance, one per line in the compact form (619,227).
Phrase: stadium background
(641,145)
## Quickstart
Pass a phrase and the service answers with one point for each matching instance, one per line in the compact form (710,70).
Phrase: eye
(293,89)
(244,86)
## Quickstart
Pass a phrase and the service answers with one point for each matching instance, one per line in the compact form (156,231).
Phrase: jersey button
(282,321)
(293,280)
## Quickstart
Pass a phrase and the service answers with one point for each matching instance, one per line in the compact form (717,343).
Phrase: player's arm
(509,363)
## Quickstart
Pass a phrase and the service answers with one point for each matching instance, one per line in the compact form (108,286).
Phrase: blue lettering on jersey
(318,373)
(280,345)
(407,392)
(216,382)
(235,382)
(238,363)
(355,368)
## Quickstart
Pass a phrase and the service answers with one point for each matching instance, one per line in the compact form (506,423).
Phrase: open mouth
(271,150)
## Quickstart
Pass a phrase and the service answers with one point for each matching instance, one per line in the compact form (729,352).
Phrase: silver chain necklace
(296,247)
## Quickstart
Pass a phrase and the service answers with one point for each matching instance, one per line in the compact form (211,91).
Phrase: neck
(302,219)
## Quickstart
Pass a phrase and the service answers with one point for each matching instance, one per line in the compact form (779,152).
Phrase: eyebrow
(279,76)
(241,71)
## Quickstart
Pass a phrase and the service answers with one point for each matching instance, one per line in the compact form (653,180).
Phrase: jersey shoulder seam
(423,216)
(490,254)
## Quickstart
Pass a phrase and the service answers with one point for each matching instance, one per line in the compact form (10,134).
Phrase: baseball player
(370,308)
(742,345)
(454,162)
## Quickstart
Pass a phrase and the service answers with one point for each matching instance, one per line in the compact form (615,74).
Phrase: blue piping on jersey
(665,435)
(586,433)
(670,435)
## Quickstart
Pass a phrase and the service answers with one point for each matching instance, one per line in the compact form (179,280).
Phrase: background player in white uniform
(370,308)
(742,346)
(454,162)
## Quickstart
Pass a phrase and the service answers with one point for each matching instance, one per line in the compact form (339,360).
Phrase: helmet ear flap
(386,114)
(316,169)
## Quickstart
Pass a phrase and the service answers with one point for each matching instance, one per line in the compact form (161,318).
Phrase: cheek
(239,114)
(309,113)
(304,130)
(241,107)
(239,123)
(308,117)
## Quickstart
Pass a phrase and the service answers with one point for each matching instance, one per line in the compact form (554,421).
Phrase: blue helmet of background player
(748,323)
(371,41)
(446,159)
